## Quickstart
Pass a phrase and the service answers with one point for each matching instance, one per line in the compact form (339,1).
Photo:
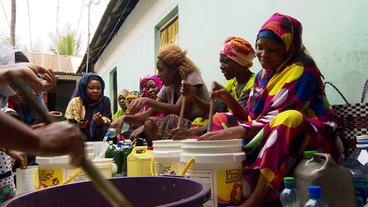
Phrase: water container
(336,182)
(290,196)
(166,157)
(139,162)
(126,151)
(119,158)
(315,194)
(357,163)
(110,150)
(114,170)
(217,163)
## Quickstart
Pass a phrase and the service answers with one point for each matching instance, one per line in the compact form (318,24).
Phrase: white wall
(335,33)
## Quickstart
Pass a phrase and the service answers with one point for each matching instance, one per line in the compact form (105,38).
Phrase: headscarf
(124,93)
(143,80)
(295,84)
(131,94)
(239,50)
(95,105)
(157,81)
(121,111)
(159,85)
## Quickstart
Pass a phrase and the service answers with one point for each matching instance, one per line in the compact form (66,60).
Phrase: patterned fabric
(132,94)
(239,50)
(7,187)
(289,110)
(231,85)
(167,123)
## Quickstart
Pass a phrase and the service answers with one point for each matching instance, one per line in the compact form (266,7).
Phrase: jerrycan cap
(149,148)
(308,154)
(315,191)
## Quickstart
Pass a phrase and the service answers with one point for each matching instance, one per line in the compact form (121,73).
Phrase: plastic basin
(140,191)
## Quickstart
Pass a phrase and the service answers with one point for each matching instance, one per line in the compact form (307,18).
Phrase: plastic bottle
(112,137)
(110,150)
(118,155)
(315,197)
(126,151)
(357,163)
(290,196)
(114,168)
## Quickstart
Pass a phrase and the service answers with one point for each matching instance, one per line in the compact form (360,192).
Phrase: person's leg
(151,131)
(259,195)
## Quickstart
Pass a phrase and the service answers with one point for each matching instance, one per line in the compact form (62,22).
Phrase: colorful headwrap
(124,93)
(144,79)
(131,94)
(157,81)
(239,50)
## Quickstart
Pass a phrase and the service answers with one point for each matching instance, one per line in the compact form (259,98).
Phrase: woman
(173,66)
(236,58)
(154,85)
(90,110)
(287,110)
(122,111)
(143,85)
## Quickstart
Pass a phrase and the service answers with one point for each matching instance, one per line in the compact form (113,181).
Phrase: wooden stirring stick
(180,122)
(106,188)
(210,124)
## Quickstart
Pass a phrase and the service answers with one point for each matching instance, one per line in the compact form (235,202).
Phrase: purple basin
(140,191)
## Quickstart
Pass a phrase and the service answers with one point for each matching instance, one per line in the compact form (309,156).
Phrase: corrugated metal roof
(58,63)
(115,14)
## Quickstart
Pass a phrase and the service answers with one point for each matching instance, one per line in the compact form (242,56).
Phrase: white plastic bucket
(217,163)
(54,171)
(24,179)
(166,157)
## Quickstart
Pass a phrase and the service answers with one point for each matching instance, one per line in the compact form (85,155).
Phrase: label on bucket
(49,177)
(167,169)
(229,187)
(226,184)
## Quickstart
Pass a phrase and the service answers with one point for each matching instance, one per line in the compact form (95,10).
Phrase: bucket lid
(53,160)
(166,154)
(213,158)
(168,142)
(192,146)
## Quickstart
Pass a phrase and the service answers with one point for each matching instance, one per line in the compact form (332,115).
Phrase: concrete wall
(334,31)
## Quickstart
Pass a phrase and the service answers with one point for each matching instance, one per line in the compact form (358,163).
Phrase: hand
(118,123)
(214,135)
(56,114)
(98,119)
(28,73)
(135,134)
(136,104)
(186,89)
(181,133)
(21,157)
(220,93)
(60,138)
(82,124)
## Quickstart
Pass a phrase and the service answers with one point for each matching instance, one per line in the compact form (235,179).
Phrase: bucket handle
(152,164)
(329,161)
(191,160)
(66,182)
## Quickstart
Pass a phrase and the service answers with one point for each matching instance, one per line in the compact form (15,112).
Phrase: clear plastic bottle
(290,196)
(357,163)
(315,197)
(110,150)
(114,168)
(126,151)
(118,155)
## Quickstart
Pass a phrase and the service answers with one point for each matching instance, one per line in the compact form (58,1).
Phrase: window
(170,32)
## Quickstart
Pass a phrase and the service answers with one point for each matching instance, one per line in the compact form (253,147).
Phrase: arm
(158,105)
(54,139)
(27,72)
(237,132)
(191,93)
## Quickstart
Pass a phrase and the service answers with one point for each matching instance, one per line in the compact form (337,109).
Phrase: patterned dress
(7,187)
(288,111)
